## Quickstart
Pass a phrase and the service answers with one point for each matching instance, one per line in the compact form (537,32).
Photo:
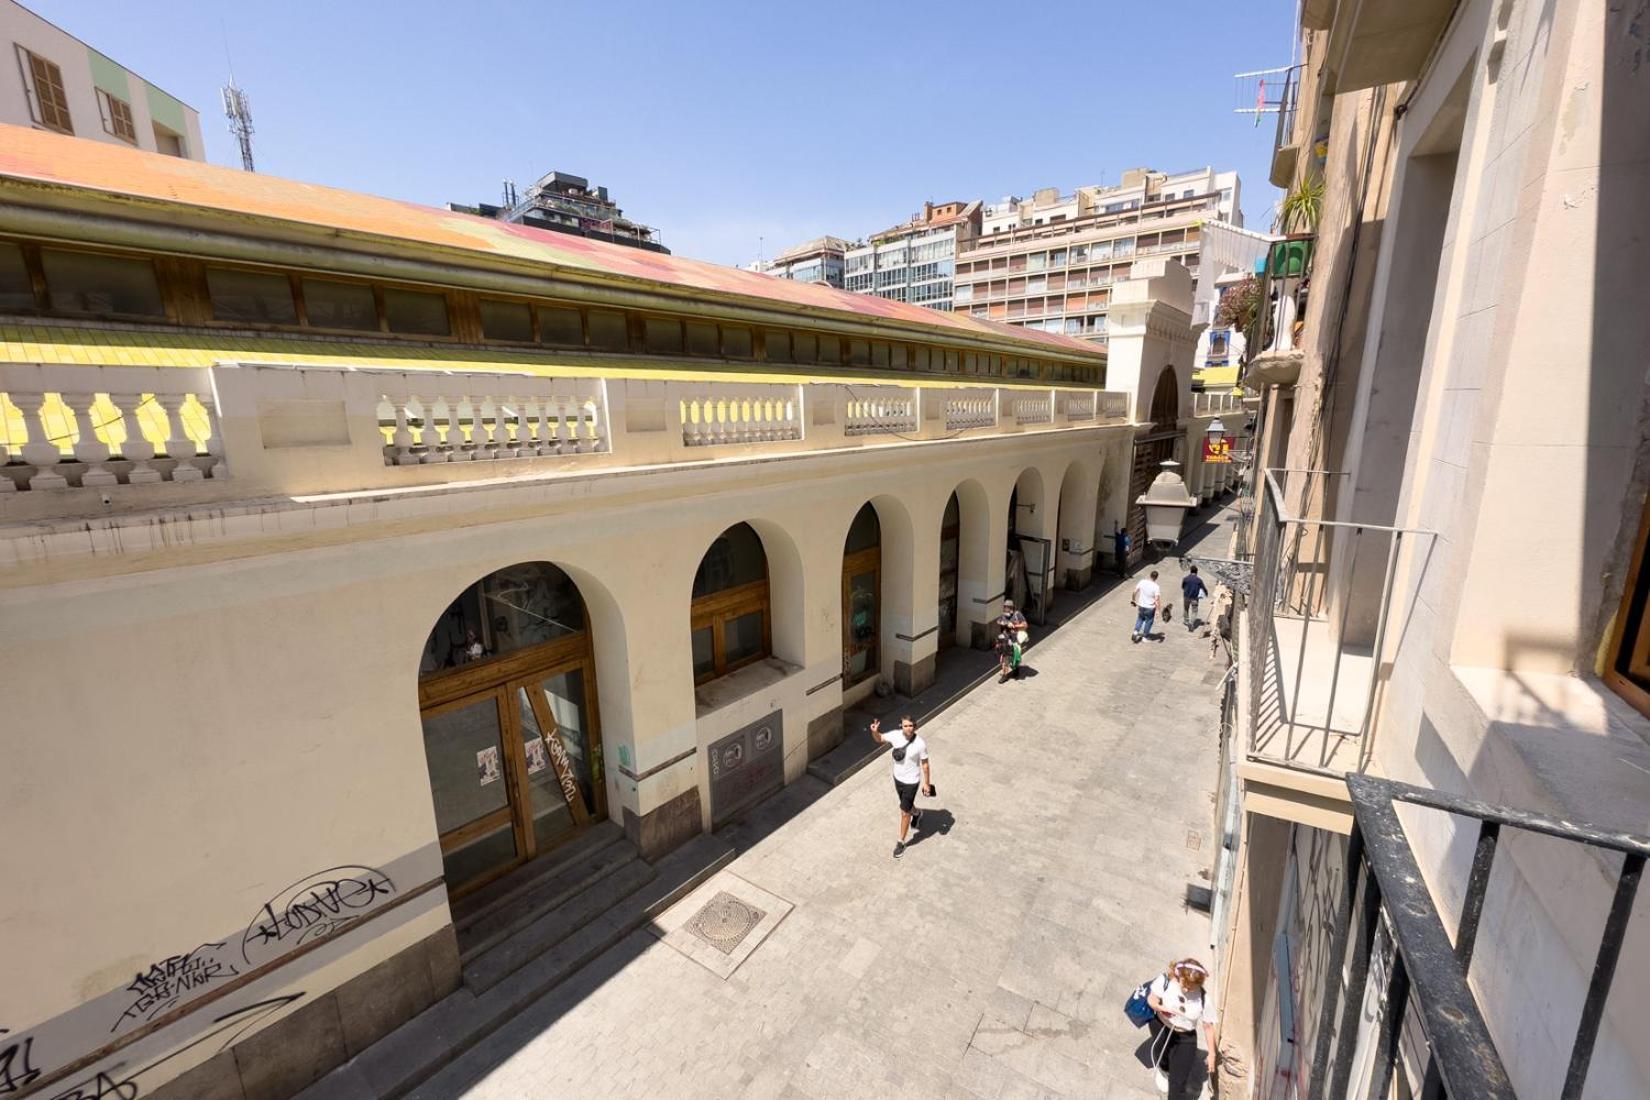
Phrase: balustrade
(1033,410)
(82,427)
(1114,405)
(1080,406)
(871,410)
(487,417)
(741,415)
(976,409)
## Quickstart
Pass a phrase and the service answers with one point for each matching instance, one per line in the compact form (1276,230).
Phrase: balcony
(1326,608)
(85,441)
(1275,336)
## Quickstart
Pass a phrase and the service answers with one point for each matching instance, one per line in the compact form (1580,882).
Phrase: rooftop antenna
(510,194)
(237,107)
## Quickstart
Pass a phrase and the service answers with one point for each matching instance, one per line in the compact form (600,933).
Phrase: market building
(356,556)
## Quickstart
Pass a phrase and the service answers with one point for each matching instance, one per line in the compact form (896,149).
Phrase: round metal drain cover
(724,922)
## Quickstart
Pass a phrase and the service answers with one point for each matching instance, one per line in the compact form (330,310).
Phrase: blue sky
(718,122)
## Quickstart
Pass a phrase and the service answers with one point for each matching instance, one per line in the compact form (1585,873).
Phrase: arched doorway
(950,564)
(1030,564)
(1151,450)
(861,597)
(732,623)
(507,695)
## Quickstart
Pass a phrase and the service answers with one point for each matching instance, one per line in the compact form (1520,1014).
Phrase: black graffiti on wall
(166,982)
(316,907)
(17,1069)
(101,1087)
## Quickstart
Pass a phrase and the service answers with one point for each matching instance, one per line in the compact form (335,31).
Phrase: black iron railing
(1428,972)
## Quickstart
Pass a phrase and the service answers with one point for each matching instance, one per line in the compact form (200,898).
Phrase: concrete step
(856,751)
(418,1050)
(472,906)
(485,930)
(551,927)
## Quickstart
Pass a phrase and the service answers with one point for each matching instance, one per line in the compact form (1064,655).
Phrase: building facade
(1049,262)
(58,83)
(817,261)
(418,550)
(564,203)
(1439,733)
(915,262)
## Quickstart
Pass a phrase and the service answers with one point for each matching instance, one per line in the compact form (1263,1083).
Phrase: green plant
(1238,304)
(1302,206)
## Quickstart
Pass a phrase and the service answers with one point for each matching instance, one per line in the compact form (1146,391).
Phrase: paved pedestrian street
(1074,808)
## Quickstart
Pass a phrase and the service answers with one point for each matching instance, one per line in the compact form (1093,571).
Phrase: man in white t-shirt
(1145,599)
(910,758)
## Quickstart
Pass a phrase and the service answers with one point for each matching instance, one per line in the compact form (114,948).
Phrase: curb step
(498,923)
(500,892)
(420,1048)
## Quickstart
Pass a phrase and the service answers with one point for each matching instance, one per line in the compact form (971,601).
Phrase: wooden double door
(514,754)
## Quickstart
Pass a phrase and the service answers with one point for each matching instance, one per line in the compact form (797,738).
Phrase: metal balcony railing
(1326,612)
(1386,898)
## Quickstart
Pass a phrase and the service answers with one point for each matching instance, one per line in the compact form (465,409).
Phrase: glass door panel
(554,812)
(948,589)
(861,658)
(470,782)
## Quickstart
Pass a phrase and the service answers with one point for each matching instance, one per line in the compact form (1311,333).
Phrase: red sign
(1217,450)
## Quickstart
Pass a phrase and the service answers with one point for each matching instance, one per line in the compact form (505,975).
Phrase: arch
(973,555)
(1030,535)
(1079,498)
(877,571)
(508,701)
(731,617)
(1165,414)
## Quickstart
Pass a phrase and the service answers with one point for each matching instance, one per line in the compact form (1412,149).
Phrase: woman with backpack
(1181,998)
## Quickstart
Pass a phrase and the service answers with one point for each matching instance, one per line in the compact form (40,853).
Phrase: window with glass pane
(84,282)
(261,297)
(736,343)
(416,312)
(730,604)
(778,345)
(340,305)
(807,347)
(662,335)
(465,755)
(702,339)
(511,321)
(16,289)
(561,327)
(519,606)
(607,331)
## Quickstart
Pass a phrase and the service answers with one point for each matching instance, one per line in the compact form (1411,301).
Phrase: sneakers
(916,819)
(899,850)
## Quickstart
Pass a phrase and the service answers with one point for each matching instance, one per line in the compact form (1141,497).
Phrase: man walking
(910,768)
(1145,598)
(1192,589)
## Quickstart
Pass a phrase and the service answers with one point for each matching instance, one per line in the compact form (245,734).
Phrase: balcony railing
(1399,945)
(1216,403)
(80,440)
(1326,611)
(1279,322)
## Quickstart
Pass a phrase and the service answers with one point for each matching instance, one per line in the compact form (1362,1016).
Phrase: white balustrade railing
(1080,406)
(447,417)
(85,427)
(741,414)
(1213,403)
(1033,410)
(971,409)
(879,409)
(1114,405)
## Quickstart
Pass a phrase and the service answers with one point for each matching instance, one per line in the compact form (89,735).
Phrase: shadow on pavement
(935,820)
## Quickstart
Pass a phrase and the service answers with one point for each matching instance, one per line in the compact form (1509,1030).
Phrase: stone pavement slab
(991,961)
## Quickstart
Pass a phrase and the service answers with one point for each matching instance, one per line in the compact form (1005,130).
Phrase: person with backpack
(1181,999)
(910,755)
(1192,589)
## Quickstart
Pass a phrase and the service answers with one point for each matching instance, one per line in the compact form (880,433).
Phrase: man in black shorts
(910,770)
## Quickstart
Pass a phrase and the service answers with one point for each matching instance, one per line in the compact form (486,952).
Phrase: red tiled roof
(37,156)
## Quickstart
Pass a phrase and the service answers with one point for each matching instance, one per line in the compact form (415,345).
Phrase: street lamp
(1166,503)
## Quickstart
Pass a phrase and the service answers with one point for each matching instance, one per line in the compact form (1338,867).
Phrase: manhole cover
(724,922)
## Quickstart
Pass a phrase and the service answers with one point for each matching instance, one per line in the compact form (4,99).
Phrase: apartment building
(1049,262)
(564,203)
(56,82)
(820,260)
(1438,758)
(915,262)
(426,553)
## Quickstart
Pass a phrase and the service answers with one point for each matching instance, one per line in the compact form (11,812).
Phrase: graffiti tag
(101,1087)
(316,907)
(168,981)
(17,1070)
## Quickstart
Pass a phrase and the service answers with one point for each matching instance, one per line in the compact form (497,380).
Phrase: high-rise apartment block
(915,262)
(1049,262)
(564,203)
(817,261)
(59,83)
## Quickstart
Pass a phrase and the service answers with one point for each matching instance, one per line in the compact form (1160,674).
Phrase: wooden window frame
(33,67)
(532,320)
(868,560)
(1631,633)
(717,609)
(43,292)
(116,115)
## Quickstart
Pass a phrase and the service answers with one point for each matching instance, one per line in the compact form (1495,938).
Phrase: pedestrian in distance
(1192,589)
(910,755)
(1145,600)
(1182,999)
(1011,640)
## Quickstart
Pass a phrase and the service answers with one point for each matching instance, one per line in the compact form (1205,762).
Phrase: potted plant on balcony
(1302,206)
